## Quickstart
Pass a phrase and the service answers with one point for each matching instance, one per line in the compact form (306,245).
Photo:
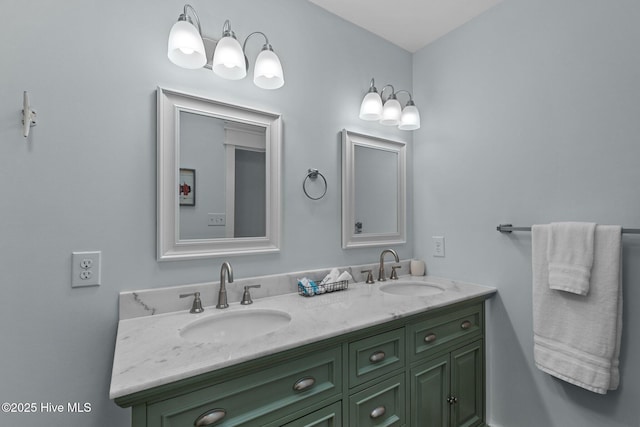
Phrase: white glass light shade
(267,73)
(371,107)
(410,118)
(228,59)
(185,47)
(391,112)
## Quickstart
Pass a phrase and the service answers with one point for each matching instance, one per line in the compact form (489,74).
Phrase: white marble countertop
(150,352)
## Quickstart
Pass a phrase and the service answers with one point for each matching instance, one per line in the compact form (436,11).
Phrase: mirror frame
(169,245)
(350,140)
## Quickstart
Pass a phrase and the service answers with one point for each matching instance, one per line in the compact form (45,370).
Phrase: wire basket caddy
(319,289)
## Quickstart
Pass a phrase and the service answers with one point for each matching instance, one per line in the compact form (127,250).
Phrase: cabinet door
(331,416)
(467,385)
(429,392)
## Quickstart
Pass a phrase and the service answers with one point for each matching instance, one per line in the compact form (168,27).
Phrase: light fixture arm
(185,17)
(392,96)
(266,41)
(410,101)
(226,29)
(244,46)
(372,86)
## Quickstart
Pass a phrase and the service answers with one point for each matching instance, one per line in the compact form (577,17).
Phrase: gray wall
(530,115)
(85,180)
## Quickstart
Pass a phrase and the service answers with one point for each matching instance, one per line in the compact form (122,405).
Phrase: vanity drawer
(331,416)
(380,405)
(258,398)
(445,329)
(372,357)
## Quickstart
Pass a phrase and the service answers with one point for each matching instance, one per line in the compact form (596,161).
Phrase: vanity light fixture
(187,49)
(388,111)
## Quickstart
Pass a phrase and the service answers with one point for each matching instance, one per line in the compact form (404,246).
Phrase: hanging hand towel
(577,338)
(570,255)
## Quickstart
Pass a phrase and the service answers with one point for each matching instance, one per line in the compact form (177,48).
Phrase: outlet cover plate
(438,246)
(85,269)
(217,219)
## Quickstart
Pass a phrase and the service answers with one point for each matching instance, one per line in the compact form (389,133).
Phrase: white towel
(577,338)
(570,256)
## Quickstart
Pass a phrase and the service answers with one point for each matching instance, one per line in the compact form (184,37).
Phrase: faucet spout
(222,294)
(381,277)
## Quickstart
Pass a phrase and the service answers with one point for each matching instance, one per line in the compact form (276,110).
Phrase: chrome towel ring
(313,175)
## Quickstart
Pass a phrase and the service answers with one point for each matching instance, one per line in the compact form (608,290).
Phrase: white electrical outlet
(438,246)
(217,219)
(85,269)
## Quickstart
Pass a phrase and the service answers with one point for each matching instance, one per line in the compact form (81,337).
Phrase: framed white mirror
(218,178)
(373,191)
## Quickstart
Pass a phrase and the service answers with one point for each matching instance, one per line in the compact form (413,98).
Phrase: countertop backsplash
(148,302)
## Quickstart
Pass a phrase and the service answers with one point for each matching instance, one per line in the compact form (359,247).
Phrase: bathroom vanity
(407,352)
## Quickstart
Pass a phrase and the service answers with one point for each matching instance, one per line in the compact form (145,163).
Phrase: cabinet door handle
(304,383)
(430,338)
(377,357)
(378,412)
(210,417)
(466,325)
(451,400)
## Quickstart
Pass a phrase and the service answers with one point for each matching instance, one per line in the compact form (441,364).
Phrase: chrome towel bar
(508,228)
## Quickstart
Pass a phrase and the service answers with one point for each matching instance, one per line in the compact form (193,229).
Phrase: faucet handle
(369,276)
(246,296)
(394,273)
(197,303)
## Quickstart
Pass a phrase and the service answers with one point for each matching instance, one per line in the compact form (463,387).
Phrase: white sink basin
(235,326)
(411,288)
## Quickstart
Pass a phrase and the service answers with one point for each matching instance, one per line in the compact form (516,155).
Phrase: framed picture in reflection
(187,187)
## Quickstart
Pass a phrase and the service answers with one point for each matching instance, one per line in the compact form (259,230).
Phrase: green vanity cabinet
(423,370)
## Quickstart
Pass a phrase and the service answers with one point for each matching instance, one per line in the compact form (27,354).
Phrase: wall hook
(28,115)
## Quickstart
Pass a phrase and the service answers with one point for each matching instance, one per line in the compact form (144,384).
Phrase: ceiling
(410,24)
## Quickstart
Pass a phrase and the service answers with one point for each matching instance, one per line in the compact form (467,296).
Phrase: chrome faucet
(381,277)
(222,294)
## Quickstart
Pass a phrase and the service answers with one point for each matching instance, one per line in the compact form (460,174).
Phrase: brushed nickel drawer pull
(466,325)
(377,357)
(210,417)
(304,383)
(430,338)
(378,412)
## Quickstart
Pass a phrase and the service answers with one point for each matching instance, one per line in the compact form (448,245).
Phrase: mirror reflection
(219,173)
(228,198)
(376,199)
(373,191)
